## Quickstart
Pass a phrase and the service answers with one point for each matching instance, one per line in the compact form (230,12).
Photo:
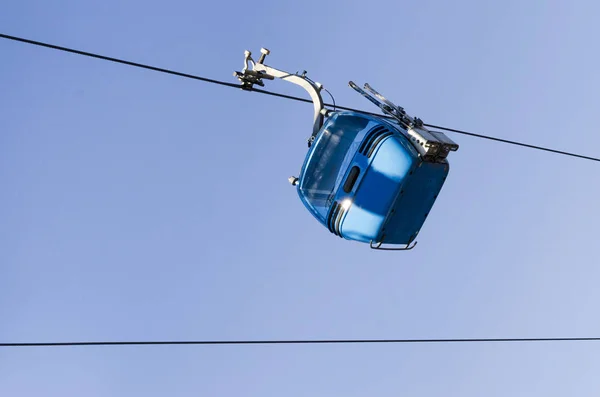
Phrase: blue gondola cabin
(367,178)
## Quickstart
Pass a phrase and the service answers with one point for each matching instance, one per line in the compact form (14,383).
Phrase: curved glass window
(329,157)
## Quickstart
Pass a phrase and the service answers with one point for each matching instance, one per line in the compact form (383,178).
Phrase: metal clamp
(253,73)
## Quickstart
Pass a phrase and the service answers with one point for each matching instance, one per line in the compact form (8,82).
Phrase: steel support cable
(297,342)
(227,84)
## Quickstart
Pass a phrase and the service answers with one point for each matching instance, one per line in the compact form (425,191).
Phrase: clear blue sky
(136,205)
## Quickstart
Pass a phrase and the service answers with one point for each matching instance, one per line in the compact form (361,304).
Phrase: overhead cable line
(124,62)
(297,342)
(233,85)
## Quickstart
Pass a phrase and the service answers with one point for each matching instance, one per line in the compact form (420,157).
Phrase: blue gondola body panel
(365,181)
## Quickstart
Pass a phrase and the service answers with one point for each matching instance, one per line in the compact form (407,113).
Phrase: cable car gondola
(367,178)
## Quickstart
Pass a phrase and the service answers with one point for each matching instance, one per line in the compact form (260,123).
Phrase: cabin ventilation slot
(373,139)
(334,219)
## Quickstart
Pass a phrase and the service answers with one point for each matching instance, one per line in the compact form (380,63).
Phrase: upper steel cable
(233,85)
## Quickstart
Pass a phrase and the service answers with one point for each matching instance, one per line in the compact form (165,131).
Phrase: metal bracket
(378,247)
(432,147)
(387,106)
(253,73)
